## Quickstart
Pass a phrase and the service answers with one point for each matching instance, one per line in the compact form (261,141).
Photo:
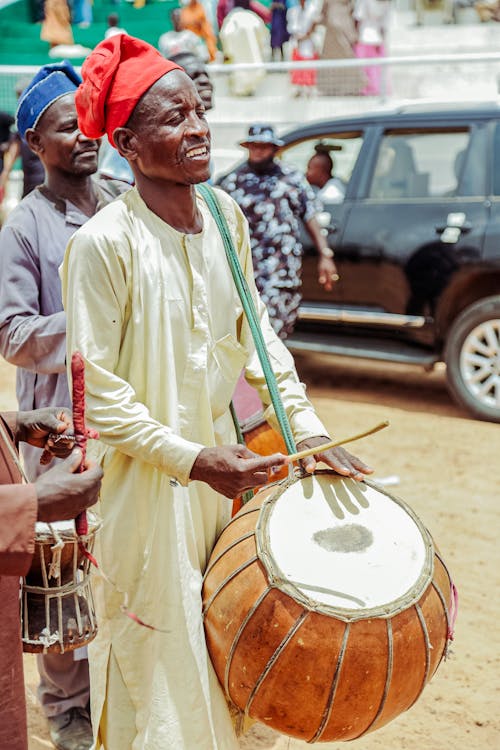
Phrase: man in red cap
(152,305)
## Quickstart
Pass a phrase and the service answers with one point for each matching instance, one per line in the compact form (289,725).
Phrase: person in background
(6,123)
(279,30)
(339,44)
(274,198)
(32,167)
(320,176)
(193,18)
(198,73)
(152,306)
(180,40)
(33,324)
(302,20)
(36,10)
(226,6)
(81,13)
(113,26)
(59,494)
(8,151)
(244,39)
(7,156)
(56,25)
(372,20)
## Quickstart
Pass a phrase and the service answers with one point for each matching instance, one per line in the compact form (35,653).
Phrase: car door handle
(465,227)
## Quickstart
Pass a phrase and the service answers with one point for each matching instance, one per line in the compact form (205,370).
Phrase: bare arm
(327,270)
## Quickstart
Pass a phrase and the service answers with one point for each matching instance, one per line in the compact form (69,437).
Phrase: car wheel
(472,358)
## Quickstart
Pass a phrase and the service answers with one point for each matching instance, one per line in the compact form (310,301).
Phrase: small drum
(327,608)
(57,606)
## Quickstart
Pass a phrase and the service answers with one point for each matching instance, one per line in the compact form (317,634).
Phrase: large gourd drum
(327,607)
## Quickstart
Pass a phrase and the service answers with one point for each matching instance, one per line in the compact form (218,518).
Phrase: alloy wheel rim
(480,363)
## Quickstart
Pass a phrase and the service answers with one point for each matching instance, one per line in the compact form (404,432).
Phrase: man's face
(60,144)
(316,174)
(197,71)
(261,153)
(172,136)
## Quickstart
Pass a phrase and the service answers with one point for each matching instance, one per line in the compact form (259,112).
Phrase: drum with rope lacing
(327,607)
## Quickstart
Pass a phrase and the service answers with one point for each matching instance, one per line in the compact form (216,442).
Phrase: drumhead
(341,545)
(65,529)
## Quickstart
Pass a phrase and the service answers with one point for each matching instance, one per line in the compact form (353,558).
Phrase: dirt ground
(448,470)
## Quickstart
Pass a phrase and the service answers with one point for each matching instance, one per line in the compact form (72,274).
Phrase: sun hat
(262,133)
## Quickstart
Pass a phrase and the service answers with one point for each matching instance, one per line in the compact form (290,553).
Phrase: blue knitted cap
(50,83)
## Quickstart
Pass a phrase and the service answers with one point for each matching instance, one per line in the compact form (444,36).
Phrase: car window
(343,149)
(428,164)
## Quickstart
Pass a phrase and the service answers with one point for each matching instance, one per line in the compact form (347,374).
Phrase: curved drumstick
(80,428)
(333,444)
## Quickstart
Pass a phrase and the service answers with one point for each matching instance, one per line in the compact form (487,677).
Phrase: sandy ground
(448,469)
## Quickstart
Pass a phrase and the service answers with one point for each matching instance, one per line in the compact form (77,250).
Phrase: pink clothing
(18,510)
(373,72)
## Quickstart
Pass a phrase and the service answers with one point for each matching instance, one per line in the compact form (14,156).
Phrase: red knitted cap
(115,76)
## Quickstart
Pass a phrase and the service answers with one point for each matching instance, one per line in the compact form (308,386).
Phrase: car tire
(472,357)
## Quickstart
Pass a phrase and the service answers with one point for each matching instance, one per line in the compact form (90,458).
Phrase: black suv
(414,219)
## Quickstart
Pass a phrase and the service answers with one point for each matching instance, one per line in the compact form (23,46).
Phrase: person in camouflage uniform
(275,197)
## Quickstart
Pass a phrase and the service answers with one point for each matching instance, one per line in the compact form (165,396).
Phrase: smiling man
(151,304)
(33,323)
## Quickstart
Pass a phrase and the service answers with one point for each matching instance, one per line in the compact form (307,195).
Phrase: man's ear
(126,142)
(34,140)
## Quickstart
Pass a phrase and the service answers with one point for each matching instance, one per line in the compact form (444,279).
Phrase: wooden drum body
(327,608)
(57,606)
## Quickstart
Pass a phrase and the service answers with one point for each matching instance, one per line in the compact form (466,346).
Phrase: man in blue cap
(33,324)
(274,197)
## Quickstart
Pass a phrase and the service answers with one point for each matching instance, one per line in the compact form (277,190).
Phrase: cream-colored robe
(158,320)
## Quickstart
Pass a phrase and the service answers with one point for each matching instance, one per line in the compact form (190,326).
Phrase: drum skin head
(344,547)
(327,608)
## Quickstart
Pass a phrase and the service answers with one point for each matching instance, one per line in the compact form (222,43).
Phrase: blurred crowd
(257,31)
(248,31)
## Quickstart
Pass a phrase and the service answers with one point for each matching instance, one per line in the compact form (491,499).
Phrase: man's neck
(174,204)
(77,189)
(263,167)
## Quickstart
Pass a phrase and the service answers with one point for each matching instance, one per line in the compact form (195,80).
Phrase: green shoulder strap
(251,313)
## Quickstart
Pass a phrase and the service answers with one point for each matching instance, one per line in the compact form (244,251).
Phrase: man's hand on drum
(338,459)
(63,492)
(48,428)
(233,469)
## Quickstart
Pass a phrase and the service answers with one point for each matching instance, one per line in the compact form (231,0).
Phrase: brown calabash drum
(258,434)
(57,606)
(327,608)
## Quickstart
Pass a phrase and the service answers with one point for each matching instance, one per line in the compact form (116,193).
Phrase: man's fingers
(259,478)
(325,281)
(46,457)
(63,421)
(309,464)
(263,463)
(73,461)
